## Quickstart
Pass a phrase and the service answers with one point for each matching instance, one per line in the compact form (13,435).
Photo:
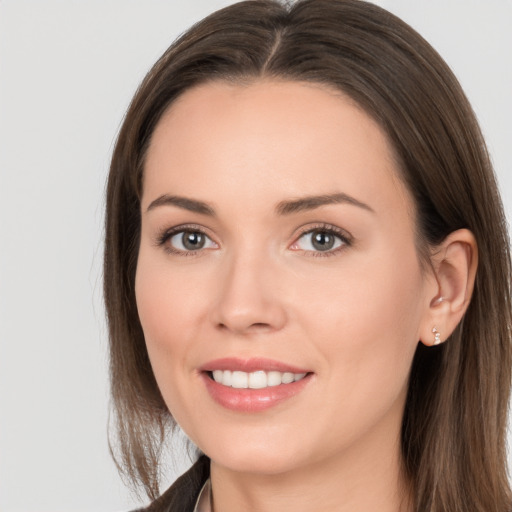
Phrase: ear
(454,264)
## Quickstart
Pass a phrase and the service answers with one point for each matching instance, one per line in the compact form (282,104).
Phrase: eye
(186,241)
(320,240)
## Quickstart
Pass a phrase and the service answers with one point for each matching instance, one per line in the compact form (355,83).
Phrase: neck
(359,480)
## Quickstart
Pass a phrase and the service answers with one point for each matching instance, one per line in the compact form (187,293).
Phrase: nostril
(257,326)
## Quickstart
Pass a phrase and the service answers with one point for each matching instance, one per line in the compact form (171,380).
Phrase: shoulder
(183,493)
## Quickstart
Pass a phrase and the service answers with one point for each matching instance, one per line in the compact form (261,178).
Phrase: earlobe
(454,263)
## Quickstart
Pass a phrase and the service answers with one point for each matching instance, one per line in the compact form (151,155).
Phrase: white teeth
(227,377)
(239,380)
(288,378)
(274,378)
(255,380)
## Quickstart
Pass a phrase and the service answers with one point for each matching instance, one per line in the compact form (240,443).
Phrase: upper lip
(251,365)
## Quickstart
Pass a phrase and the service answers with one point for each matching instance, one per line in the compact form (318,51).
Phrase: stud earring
(437,336)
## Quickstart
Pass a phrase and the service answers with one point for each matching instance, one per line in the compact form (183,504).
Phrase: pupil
(193,241)
(322,241)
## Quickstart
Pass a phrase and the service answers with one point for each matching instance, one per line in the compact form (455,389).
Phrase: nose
(249,298)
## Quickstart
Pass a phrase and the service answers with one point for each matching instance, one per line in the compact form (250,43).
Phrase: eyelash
(328,229)
(167,234)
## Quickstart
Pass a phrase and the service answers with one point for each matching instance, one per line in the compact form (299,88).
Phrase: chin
(256,455)
(262,463)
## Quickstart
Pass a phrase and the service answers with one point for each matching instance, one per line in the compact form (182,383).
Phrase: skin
(352,316)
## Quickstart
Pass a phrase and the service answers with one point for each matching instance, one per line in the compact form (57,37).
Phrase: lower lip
(252,400)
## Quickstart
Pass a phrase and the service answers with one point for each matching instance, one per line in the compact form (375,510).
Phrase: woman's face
(278,244)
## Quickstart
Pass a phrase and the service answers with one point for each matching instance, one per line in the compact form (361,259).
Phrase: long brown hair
(454,425)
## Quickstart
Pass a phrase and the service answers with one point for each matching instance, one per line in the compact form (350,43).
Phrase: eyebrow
(312,202)
(283,208)
(191,205)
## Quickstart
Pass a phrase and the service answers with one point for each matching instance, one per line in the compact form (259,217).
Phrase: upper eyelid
(342,233)
(166,233)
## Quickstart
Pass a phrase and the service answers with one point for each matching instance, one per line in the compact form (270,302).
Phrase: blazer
(183,493)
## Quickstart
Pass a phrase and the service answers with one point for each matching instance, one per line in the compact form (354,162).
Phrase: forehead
(270,138)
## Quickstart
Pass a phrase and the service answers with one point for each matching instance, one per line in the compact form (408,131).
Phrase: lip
(252,400)
(251,365)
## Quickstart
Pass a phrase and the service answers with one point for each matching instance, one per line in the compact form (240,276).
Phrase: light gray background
(68,69)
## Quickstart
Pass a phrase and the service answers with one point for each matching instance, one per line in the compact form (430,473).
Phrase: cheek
(368,320)
(162,312)
(154,304)
(164,308)
(166,302)
(172,306)
(366,330)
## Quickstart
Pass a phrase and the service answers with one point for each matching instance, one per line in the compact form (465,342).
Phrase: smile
(255,380)
(253,385)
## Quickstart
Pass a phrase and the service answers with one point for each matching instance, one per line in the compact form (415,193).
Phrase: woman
(307,269)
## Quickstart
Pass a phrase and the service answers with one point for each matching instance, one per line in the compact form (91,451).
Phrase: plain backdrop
(68,69)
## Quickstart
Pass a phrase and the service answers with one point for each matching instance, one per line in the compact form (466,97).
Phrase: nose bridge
(248,298)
